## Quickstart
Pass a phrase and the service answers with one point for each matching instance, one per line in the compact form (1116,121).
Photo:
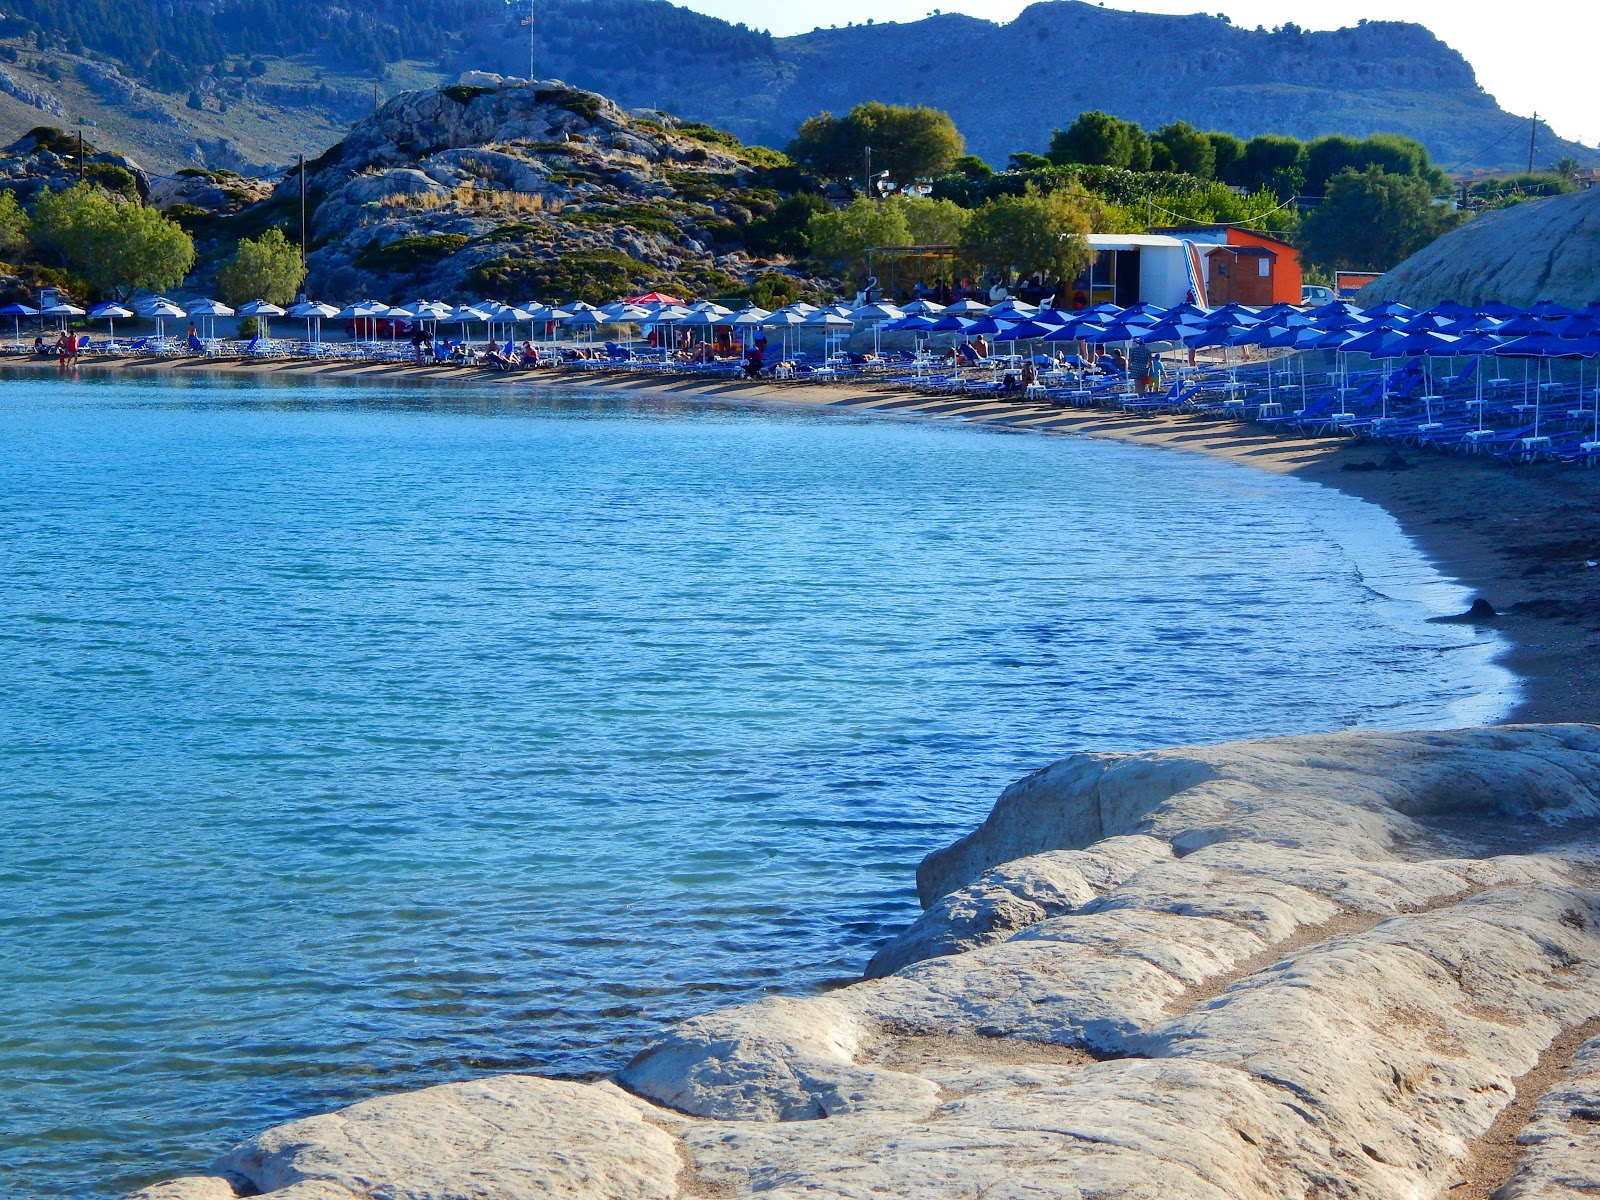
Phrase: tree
(1023,160)
(1227,152)
(1191,151)
(114,248)
(14,224)
(268,268)
(972,167)
(1370,220)
(1396,155)
(1031,234)
(1099,139)
(842,236)
(932,222)
(195,102)
(909,143)
(1567,168)
(1273,161)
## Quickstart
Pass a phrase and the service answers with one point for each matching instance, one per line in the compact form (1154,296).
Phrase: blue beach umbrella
(16,312)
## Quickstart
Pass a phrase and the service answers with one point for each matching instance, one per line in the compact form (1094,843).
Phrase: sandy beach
(1525,538)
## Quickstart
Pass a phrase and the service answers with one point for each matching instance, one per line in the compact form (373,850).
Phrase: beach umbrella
(656,298)
(110,313)
(16,312)
(210,308)
(988,324)
(163,311)
(1012,308)
(965,308)
(922,308)
(1549,310)
(710,307)
(829,322)
(312,310)
(63,310)
(263,311)
(1389,308)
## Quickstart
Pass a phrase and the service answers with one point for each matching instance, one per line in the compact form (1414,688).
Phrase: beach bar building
(1245,267)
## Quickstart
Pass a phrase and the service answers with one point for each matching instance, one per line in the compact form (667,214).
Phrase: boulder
(1537,250)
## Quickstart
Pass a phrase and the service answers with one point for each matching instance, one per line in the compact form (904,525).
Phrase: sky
(1532,55)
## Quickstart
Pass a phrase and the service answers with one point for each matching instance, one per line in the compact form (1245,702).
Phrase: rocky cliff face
(519,190)
(1315,967)
(1537,250)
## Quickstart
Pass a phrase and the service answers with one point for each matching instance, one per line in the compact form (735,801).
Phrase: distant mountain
(1008,85)
(272,78)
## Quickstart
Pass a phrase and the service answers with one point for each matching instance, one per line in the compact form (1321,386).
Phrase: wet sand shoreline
(1520,536)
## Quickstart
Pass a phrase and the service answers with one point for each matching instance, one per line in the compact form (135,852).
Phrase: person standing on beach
(1139,365)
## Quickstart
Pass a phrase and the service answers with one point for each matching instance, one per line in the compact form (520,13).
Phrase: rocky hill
(519,190)
(261,90)
(1540,250)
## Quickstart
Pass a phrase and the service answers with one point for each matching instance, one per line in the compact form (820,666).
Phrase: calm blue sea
(354,738)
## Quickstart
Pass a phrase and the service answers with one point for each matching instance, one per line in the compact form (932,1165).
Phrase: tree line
(1377,198)
(103,244)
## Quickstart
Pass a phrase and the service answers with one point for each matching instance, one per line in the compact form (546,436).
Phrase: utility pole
(374,95)
(866,175)
(1533,136)
(80,156)
(531,75)
(302,210)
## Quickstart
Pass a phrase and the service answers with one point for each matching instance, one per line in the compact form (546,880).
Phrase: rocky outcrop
(1537,250)
(514,190)
(1313,966)
(47,159)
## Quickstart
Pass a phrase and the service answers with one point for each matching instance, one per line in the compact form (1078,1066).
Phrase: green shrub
(638,216)
(515,233)
(410,254)
(598,276)
(462,94)
(113,178)
(584,104)
(192,173)
(191,216)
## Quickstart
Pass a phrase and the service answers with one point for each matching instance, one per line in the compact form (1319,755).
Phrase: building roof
(1132,241)
(1180,230)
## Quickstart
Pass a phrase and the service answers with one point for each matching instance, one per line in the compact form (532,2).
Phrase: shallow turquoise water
(354,738)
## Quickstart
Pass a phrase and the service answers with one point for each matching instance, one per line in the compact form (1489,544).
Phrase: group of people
(66,349)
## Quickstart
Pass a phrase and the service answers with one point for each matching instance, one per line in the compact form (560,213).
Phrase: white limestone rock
(508,1136)
(1562,1156)
(1306,967)
(1013,896)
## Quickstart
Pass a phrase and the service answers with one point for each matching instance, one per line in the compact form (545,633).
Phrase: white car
(1312,295)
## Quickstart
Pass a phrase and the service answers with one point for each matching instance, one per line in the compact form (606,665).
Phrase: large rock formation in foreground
(1537,250)
(1310,967)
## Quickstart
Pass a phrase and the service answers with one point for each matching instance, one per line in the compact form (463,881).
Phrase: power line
(1517,128)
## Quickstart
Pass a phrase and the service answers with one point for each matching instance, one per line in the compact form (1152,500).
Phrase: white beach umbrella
(147,307)
(263,311)
(63,310)
(110,313)
(313,310)
(877,314)
(162,312)
(966,308)
(710,307)
(211,309)
(923,308)
(830,322)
